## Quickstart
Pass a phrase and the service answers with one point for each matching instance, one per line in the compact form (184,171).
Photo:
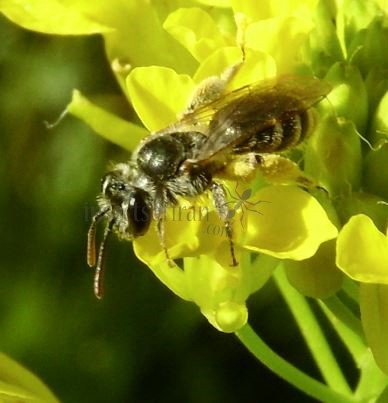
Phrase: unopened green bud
(231,316)
(376,160)
(318,276)
(363,203)
(368,48)
(378,133)
(376,85)
(323,47)
(349,96)
(355,15)
(333,156)
(376,171)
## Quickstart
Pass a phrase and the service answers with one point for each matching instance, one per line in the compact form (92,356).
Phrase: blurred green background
(140,343)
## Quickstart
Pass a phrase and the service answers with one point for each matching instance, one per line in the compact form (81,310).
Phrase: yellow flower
(159,56)
(160,52)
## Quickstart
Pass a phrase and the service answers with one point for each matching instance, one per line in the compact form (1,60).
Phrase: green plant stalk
(347,326)
(312,334)
(372,380)
(287,371)
(351,289)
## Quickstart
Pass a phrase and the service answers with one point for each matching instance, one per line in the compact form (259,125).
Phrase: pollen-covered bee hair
(220,135)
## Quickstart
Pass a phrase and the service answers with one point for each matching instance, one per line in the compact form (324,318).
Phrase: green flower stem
(347,326)
(350,287)
(287,371)
(312,334)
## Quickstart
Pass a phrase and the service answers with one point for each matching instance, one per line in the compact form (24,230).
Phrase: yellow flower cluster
(160,52)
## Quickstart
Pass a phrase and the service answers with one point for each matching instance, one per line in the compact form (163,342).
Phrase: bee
(219,136)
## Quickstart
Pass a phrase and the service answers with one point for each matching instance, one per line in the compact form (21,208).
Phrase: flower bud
(368,48)
(348,97)
(375,172)
(333,156)
(318,276)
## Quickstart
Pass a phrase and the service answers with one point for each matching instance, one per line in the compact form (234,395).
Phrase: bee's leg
(282,171)
(160,217)
(221,205)
(213,87)
(160,225)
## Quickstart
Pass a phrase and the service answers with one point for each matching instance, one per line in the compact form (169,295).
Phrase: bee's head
(129,214)
(114,187)
(129,205)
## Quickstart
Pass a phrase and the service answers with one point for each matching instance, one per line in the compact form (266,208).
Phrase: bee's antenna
(100,267)
(91,248)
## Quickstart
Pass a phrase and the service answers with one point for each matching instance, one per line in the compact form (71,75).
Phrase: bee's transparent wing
(259,104)
(200,118)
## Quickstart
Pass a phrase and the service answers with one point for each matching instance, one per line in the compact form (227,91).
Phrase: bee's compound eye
(110,185)
(119,186)
(139,212)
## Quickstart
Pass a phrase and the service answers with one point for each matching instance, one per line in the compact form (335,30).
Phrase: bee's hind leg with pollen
(279,170)
(213,87)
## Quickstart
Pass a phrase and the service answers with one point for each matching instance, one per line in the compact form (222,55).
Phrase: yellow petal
(264,36)
(20,385)
(138,38)
(213,288)
(216,3)
(195,30)
(289,223)
(114,129)
(51,17)
(257,66)
(362,251)
(274,8)
(158,94)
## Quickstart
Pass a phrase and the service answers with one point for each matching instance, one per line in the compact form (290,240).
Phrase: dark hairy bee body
(187,158)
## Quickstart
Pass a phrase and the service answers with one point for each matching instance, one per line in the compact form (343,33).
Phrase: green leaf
(51,17)
(109,126)
(158,95)
(17,384)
